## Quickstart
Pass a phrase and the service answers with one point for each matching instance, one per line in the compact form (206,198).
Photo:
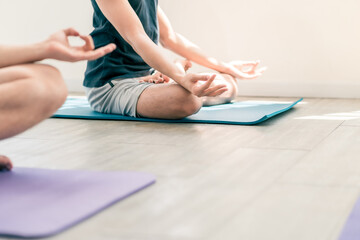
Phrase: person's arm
(12,55)
(182,46)
(126,22)
(55,47)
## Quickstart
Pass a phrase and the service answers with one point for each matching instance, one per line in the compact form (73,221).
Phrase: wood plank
(335,162)
(295,212)
(190,208)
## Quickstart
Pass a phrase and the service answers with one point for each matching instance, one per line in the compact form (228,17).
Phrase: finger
(146,78)
(149,80)
(89,43)
(199,90)
(254,66)
(90,55)
(213,89)
(218,92)
(109,48)
(249,63)
(104,50)
(246,66)
(71,32)
(158,79)
(95,54)
(166,79)
(252,76)
(188,65)
(208,83)
(249,67)
(261,70)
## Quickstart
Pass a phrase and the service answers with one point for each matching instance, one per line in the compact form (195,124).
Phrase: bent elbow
(136,40)
(168,41)
(164,42)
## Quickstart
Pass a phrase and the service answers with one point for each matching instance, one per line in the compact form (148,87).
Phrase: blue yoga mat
(36,203)
(240,113)
(351,230)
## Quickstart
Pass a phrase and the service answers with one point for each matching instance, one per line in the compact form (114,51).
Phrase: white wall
(25,21)
(312,48)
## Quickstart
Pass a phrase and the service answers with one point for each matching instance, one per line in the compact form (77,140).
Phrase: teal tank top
(123,62)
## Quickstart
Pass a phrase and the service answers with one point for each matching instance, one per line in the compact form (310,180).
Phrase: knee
(188,105)
(48,88)
(231,85)
(56,89)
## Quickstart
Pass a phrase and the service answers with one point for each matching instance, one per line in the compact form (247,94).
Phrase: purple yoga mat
(351,230)
(41,202)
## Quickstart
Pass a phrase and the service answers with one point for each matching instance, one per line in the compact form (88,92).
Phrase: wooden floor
(295,177)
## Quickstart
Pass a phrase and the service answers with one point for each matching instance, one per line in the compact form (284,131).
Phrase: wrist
(42,50)
(224,67)
(179,78)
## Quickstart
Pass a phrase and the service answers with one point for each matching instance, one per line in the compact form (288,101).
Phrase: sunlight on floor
(335,116)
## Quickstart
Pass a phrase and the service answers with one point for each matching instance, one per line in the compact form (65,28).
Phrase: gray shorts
(119,96)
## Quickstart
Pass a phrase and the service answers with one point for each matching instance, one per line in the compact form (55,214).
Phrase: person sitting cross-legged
(31,92)
(139,80)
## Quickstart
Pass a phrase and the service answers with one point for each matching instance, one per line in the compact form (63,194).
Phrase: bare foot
(157,77)
(5,163)
(183,64)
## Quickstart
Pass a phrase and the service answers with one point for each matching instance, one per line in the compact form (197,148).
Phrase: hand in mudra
(244,69)
(59,48)
(201,85)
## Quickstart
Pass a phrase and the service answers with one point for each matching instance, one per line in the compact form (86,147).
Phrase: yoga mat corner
(351,230)
(39,203)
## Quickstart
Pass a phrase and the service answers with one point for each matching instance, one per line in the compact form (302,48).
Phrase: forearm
(154,57)
(126,22)
(189,50)
(13,55)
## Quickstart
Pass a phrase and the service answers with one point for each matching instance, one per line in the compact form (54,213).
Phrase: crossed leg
(172,101)
(29,93)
